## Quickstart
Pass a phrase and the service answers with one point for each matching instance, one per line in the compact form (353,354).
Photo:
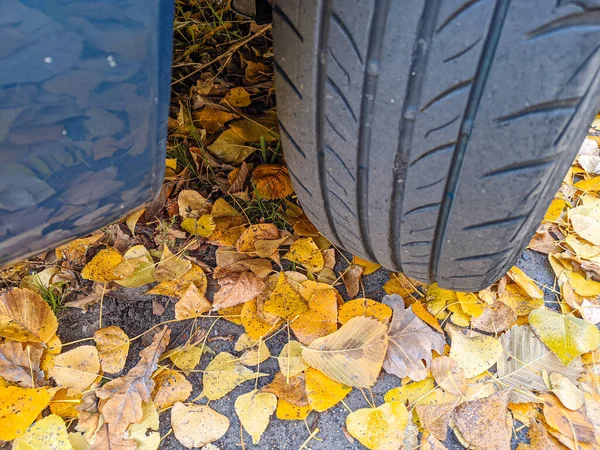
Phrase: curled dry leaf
(254,410)
(272,181)
(113,348)
(411,342)
(20,363)
(102,266)
(567,336)
(524,361)
(132,220)
(322,391)
(19,407)
(223,374)
(449,376)
(197,425)
(352,355)
(364,307)
(306,253)
(192,304)
(237,288)
(351,278)
(26,317)
(380,428)
(474,354)
(49,433)
(482,422)
(123,396)
(170,387)
(292,389)
(290,359)
(76,369)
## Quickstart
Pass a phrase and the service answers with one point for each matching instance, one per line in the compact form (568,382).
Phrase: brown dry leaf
(352,277)
(192,304)
(74,251)
(84,301)
(272,181)
(322,391)
(104,439)
(229,260)
(352,355)
(434,412)
(292,390)
(76,369)
(449,376)
(20,363)
(231,148)
(170,387)
(171,267)
(212,120)
(290,359)
(539,438)
(320,319)
(237,288)
(255,72)
(364,307)
(260,240)
(102,266)
(380,428)
(26,317)
(123,396)
(238,96)
(113,348)
(223,374)
(285,301)
(495,318)
(482,422)
(411,342)
(192,204)
(306,253)
(573,424)
(254,410)
(177,288)
(197,425)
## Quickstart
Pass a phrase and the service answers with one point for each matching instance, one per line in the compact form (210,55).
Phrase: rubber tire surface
(431,135)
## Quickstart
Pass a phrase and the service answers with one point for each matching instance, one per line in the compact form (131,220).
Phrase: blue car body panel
(84,97)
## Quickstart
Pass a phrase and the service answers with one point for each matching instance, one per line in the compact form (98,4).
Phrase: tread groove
(331,84)
(338,183)
(493,223)
(283,16)
(339,65)
(568,104)
(463,51)
(332,151)
(435,150)
(484,256)
(521,166)
(457,12)
(589,19)
(334,129)
(431,184)
(416,244)
(341,200)
(447,93)
(336,19)
(290,138)
(299,182)
(285,77)
(441,127)
(423,208)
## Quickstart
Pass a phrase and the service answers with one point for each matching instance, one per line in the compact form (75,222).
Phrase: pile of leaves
(227,241)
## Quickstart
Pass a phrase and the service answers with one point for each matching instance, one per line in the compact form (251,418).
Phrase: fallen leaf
(102,266)
(231,148)
(306,253)
(137,269)
(272,181)
(449,376)
(539,438)
(585,220)
(76,369)
(171,267)
(237,288)
(197,425)
(289,411)
(49,433)
(145,433)
(26,317)
(223,374)
(566,391)
(113,348)
(203,226)
(18,409)
(351,278)
(526,283)
(573,424)
(524,361)
(422,313)
(192,304)
(368,266)
(187,357)
(257,355)
(322,391)
(567,336)
(364,307)
(254,410)
(20,363)
(482,422)
(521,303)
(290,359)
(132,220)
(170,387)
(254,324)
(123,396)
(238,96)
(475,354)
(292,389)
(177,288)
(429,442)
(435,410)
(192,204)
(470,303)
(411,392)
(411,342)
(212,120)
(380,428)
(352,355)
(320,319)
(495,318)
(285,301)
(75,250)
(253,129)
(104,439)
(64,406)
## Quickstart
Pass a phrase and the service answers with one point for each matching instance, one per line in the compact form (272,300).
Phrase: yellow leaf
(305,252)
(369,266)
(18,409)
(170,166)
(64,406)
(322,391)
(132,219)
(223,374)
(285,301)
(581,285)
(591,184)
(197,425)
(567,336)
(192,304)
(518,301)
(320,319)
(254,324)
(238,96)
(585,220)
(145,433)
(554,210)
(252,129)
(380,428)
(289,411)
(187,357)
(401,285)
(421,312)
(177,288)
(256,356)
(102,266)
(411,392)
(474,355)
(213,119)
(204,226)
(54,347)
(26,317)
(113,347)
(470,303)
(254,410)
(49,433)
(192,204)
(526,283)
(233,313)
(352,355)
(137,268)
(170,387)
(290,359)
(272,181)
(74,251)
(364,307)
(231,148)
(261,240)
(171,267)
(76,369)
